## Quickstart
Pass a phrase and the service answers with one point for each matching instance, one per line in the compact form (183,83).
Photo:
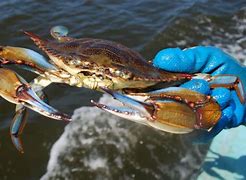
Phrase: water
(97,145)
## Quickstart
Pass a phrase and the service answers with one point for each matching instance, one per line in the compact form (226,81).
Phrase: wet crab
(96,63)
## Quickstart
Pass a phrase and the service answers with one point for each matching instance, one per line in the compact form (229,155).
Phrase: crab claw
(124,112)
(16,90)
(140,112)
(175,110)
(145,109)
(27,97)
(131,109)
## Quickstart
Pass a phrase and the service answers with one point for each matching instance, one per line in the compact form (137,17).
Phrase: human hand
(210,60)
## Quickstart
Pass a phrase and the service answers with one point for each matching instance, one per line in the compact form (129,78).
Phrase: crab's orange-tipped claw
(164,115)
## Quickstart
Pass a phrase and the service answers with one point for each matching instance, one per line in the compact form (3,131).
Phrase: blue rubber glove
(213,61)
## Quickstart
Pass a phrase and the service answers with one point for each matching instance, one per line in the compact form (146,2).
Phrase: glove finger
(173,59)
(205,59)
(198,85)
(238,109)
(222,96)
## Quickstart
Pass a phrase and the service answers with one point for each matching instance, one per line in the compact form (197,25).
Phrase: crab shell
(96,62)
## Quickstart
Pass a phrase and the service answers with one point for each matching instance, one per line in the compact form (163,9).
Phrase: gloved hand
(211,60)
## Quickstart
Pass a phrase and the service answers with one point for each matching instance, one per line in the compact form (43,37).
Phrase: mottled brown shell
(107,58)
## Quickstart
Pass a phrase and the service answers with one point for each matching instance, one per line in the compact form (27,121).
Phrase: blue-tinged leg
(17,126)
(230,82)
(26,58)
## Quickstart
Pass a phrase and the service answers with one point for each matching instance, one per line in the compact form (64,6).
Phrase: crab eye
(59,31)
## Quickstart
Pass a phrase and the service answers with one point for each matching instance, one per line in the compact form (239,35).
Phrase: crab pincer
(16,90)
(176,110)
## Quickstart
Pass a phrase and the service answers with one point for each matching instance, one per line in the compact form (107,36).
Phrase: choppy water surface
(97,145)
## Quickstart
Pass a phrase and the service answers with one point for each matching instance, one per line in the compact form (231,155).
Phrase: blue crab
(108,66)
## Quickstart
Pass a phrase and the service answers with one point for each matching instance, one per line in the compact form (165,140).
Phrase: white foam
(96,163)
(89,126)
(232,43)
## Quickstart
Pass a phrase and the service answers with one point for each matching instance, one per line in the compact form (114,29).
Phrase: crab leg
(227,81)
(17,126)
(26,58)
(230,82)
(35,62)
